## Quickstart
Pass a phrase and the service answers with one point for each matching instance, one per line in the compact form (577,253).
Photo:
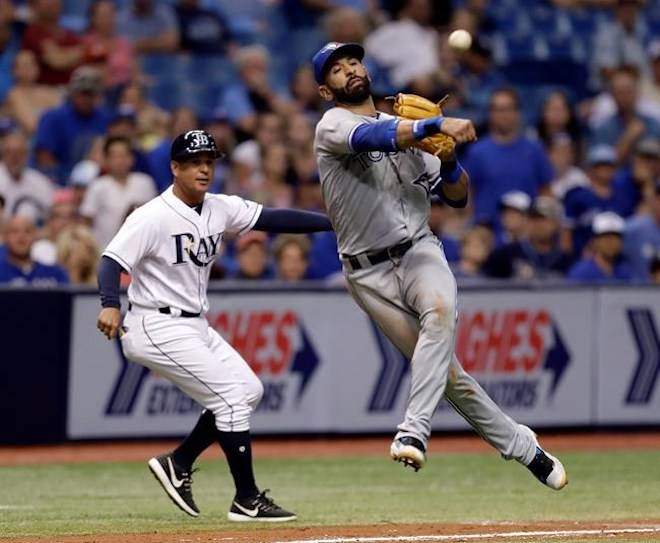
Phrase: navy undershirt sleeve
(108,276)
(293,221)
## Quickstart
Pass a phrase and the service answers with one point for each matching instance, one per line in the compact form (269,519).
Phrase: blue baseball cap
(330,52)
(601,154)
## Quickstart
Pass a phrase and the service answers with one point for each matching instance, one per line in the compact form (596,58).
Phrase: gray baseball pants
(413,300)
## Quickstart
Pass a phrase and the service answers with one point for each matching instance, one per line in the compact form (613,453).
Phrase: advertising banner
(326,368)
(629,356)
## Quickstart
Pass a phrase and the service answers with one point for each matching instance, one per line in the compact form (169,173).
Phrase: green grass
(469,488)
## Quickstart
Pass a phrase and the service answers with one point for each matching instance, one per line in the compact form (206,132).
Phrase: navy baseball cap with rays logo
(324,57)
(191,143)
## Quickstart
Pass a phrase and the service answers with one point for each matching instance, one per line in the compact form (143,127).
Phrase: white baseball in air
(460,40)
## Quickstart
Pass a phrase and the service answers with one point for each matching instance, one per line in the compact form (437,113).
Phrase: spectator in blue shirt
(16,266)
(627,125)
(641,172)
(10,42)
(512,224)
(605,263)
(151,26)
(505,159)
(603,194)
(202,31)
(641,242)
(324,256)
(537,254)
(254,93)
(65,133)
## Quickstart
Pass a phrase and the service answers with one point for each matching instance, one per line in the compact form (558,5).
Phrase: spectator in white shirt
(622,41)
(408,46)
(111,197)
(25,190)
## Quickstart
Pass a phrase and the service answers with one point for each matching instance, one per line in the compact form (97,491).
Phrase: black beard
(356,95)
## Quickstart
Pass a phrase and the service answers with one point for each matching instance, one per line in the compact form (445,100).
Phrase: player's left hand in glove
(413,107)
(108,321)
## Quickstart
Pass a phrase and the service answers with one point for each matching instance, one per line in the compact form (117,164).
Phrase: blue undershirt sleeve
(293,221)
(379,136)
(108,277)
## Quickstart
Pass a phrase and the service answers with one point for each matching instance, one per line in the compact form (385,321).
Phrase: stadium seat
(560,47)
(565,73)
(166,94)
(163,68)
(212,69)
(303,43)
(520,47)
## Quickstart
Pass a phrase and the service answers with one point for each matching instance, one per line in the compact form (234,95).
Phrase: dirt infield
(385,533)
(310,447)
(379,533)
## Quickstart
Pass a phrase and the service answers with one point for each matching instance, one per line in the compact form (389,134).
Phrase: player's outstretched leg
(512,440)
(548,469)
(174,470)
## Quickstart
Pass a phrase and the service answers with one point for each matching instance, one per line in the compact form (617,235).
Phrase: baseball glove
(413,107)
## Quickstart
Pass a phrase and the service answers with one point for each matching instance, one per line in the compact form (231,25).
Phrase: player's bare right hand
(462,130)
(108,321)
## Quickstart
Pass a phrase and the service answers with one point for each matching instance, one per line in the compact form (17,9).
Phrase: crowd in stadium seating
(565,95)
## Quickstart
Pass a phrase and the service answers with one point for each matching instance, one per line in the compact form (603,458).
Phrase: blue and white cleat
(548,469)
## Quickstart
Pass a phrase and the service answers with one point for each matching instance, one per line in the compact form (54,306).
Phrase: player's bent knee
(235,419)
(441,317)
(254,393)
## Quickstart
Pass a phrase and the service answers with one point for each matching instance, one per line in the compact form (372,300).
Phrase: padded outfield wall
(550,356)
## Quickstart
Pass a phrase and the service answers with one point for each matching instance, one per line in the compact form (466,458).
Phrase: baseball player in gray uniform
(377,188)
(168,245)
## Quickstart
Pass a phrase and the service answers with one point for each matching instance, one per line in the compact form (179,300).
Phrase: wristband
(427,127)
(451,171)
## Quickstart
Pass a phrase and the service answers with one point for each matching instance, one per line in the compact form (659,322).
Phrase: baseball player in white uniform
(377,188)
(167,245)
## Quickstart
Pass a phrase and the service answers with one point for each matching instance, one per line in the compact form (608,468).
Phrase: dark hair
(91,9)
(511,91)
(572,128)
(283,240)
(654,266)
(627,69)
(109,142)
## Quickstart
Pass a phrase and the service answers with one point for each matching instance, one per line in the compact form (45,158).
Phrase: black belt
(376,257)
(168,311)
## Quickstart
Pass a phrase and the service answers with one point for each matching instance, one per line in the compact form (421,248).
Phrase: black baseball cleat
(175,481)
(410,451)
(548,469)
(259,508)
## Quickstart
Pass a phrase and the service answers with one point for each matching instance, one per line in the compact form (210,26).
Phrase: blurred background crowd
(565,95)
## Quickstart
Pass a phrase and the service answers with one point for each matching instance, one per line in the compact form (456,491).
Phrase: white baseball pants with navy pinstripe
(194,357)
